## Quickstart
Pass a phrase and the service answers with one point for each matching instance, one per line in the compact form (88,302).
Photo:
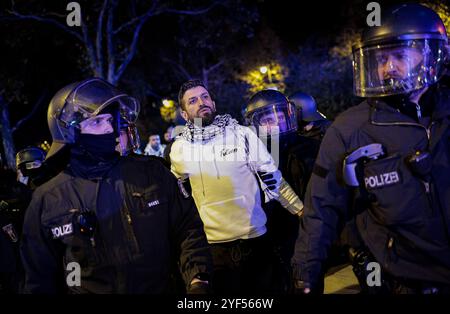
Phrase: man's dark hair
(186,86)
(153,132)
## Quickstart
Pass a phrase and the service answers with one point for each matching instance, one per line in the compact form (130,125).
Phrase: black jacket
(296,160)
(406,225)
(145,224)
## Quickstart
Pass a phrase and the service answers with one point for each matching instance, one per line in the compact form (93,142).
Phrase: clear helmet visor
(93,97)
(397,68)
(277,119)
(129,140)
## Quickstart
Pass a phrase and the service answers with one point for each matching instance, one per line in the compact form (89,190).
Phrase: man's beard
(205,120)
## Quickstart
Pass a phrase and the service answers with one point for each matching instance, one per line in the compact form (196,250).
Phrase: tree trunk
(7,139)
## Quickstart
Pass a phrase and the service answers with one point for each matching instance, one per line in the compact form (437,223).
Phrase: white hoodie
(223,177)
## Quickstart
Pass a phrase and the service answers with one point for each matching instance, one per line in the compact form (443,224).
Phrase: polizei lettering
(63,230)
(381,180)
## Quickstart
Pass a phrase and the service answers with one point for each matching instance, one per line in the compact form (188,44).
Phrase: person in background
(154,146)
(311,122)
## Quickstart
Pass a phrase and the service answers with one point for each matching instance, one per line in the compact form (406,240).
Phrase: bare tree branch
(99,41)
(133,45)
(215,66)
(139,18)
(128,24)
(161,11)
(90,50)
(179,67)
(206,72)
(191,12)
(47,21)
(110,44)
(36,106)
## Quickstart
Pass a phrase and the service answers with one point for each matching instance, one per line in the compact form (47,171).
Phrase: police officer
(395,147)
(311,122)
(274,117)
(14,200)
(108,223)
(30,164)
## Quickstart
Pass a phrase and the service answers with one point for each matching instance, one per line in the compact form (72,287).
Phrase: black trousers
(243,266)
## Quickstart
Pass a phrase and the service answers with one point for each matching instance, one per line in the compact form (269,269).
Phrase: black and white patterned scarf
(194,133)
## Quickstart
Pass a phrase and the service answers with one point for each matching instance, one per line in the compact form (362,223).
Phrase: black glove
(268,180)
(199,287)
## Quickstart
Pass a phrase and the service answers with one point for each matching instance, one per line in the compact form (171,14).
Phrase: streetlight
(264,69)
(166,103)
(168,110)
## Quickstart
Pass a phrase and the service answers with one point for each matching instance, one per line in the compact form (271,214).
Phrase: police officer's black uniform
(121,221)
(141,217)
(405,224)
(296,160)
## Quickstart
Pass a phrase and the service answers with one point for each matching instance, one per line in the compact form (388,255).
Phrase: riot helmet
(29,160)
(79,101)
(306,107)
(406,53)
(271,113)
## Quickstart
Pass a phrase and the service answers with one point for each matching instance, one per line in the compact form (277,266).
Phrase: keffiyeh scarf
(194,133)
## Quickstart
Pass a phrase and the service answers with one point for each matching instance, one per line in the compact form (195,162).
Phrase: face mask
(102,146)
(93,155)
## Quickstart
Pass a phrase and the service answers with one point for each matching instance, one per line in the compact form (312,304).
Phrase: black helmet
(268,109)
(406,53)
(82,100)
(29,158)
(306,107)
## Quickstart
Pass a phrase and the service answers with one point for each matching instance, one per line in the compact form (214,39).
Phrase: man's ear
(184,115)
(214,105)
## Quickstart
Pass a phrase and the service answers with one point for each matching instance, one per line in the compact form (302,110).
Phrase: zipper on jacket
(427,129)
(426,185)
(129,228)
(419,111)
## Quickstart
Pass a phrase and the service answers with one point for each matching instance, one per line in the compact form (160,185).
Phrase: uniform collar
(384,113)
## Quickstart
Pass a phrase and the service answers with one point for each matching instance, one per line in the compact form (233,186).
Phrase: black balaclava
(92,156)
